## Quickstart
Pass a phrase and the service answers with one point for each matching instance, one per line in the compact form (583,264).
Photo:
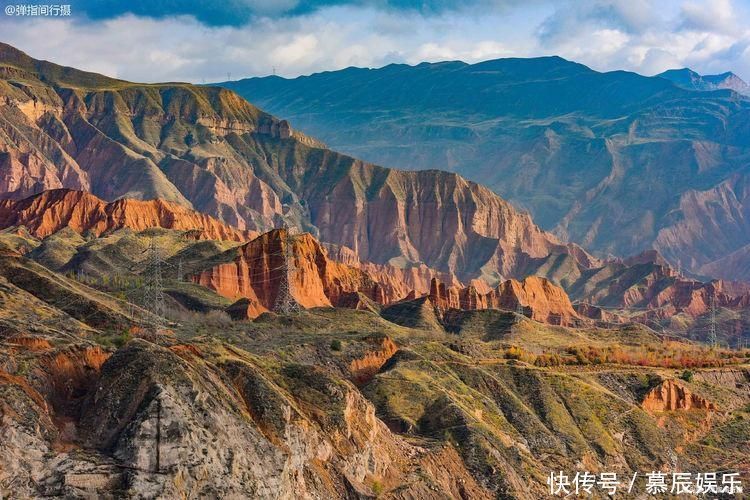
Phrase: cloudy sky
(208,40)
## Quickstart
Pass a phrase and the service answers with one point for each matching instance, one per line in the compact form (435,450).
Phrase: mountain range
(616,162)
(207,150)
(199,301)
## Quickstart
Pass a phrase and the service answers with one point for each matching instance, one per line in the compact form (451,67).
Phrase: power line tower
(153,288)
(712,338)
(520,309)
(179,270)
(285,302)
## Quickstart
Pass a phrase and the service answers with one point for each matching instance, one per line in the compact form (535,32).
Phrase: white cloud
(647,36)
(709,16)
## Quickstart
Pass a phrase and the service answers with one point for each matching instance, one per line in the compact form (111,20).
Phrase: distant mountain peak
(688,79)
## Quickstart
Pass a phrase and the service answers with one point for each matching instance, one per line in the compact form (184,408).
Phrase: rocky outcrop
(51,211)
(648,284)
(396,281)
(599,314)
(535,297)
(671,395)
(245,308)
(255,272)
(161,422)
(208,149)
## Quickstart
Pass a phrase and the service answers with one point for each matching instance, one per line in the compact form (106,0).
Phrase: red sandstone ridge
(48,212)
(253,273)
(672,396)
(539,298)
(645,282)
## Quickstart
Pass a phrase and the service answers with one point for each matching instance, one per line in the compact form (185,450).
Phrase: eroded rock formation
(365,367)
(536,297)
(53,210)
(158,421)
(254,272)
(671,395)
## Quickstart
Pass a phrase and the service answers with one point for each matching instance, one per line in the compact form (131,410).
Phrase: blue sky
(207,40)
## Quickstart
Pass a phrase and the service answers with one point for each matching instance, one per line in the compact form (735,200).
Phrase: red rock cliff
(256,270)
(673,396)
(540,299)
(50,211)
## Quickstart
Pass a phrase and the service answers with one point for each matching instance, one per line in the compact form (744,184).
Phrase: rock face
(637,163)
(66,128)
(396,281)
(51,211)
(642,282)
(208,149)
(256,270)
(536,297)
(673,396)
(648,284)
(269,409)
(365,367)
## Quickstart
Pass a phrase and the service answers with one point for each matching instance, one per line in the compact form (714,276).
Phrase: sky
(215,40)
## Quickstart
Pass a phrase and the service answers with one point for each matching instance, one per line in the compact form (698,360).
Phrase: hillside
(208,149)
(627,164)
(356,405)
(75,232)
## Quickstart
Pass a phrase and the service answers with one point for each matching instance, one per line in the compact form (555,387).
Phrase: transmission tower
(285,303)
(712,338)
(520,309)
(179,269)
(153,288)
